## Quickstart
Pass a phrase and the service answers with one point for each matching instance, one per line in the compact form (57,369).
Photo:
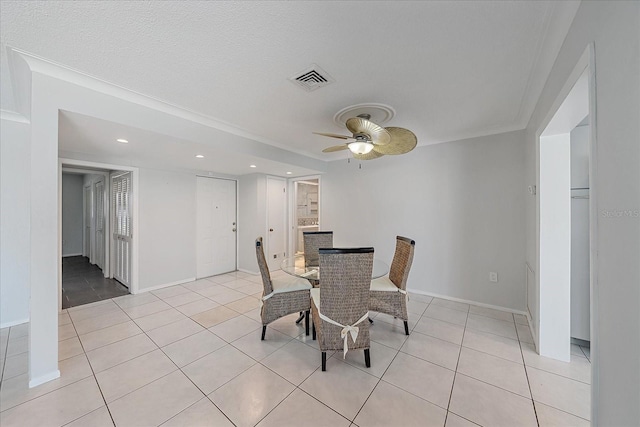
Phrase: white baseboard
(253,273)
(44,378)
(68,255)
(13,323)
(533,335)
(165,285)
(466,301)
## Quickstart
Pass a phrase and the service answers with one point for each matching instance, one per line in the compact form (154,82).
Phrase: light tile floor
(191,355)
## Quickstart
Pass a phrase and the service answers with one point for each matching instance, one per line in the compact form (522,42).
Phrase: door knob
(271,229)
(233,229)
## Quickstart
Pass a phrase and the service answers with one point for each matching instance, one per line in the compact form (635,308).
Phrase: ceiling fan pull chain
(360,166)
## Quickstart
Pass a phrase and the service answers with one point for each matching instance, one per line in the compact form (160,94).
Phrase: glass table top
(295,267)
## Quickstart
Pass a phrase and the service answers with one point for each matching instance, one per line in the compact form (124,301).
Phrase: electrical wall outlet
(493,276)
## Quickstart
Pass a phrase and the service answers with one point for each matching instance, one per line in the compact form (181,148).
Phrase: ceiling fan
(370,141)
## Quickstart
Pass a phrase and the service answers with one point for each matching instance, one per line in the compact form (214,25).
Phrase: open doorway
(96,218)
(84,216)
(561,303)
(564,219)
(563,309)
(306,210)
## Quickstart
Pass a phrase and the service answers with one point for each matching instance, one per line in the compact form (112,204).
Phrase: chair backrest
(264,267)
(402,260)
(345,279)
(314,240)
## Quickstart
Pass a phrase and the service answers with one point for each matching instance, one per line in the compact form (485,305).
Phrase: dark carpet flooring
(83,283)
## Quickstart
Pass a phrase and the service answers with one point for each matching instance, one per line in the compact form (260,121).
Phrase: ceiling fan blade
(333,135)
(377,134)
(335,148)
(373,154)
(402,141)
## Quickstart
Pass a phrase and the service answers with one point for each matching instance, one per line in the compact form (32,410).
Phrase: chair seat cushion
(289,283)
(315,297)
(383,284)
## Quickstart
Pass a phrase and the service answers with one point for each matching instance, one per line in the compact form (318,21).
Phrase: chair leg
(299,319)
(313,329)
(370,320)
(367,358)
(406,327)
(306,322)
(324,361)
(264,330)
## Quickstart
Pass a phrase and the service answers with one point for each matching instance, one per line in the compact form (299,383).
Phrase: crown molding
(559,18)
(40,65)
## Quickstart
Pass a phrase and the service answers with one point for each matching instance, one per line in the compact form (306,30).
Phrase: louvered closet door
(99,194)
(122,232)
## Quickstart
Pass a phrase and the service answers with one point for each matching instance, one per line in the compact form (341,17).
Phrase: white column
(44,259)
(555,247)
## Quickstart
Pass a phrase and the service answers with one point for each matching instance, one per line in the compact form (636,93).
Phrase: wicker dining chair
(314,240)
(388,294)
(339,308)
(282,295)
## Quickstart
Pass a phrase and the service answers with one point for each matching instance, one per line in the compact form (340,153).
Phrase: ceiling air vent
(312,78)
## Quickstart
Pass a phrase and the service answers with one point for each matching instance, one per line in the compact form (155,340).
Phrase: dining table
(295,266)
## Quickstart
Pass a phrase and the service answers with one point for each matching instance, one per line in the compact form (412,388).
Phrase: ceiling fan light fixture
(360,147)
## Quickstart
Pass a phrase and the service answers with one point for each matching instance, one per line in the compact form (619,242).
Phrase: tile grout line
(4,358)
(374,387)
(260,362)
(526,372)
(206,396)
(95,379)
(455,372)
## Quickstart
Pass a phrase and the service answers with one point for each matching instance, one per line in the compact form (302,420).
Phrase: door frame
(91,250)
(99,169)
(86,220)
(586,63)
(284,212)
(293,230)
(106,215)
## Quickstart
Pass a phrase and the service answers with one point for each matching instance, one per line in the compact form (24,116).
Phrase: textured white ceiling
(450,69)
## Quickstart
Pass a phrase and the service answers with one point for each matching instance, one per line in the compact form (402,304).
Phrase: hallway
(84,283)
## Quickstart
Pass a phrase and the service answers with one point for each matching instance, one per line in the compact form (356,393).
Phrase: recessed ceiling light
(199,156)
(124,141)
(289,173)
(252,166)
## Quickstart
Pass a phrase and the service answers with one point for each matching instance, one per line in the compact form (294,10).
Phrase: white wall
(72,214)
(462,202)
(613,28)
(252,191)
(14,222)
(167,242)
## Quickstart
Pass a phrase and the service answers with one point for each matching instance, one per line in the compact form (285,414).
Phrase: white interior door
(276,222)
(99,210)
(122,233)
(86,250)
(216,226)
